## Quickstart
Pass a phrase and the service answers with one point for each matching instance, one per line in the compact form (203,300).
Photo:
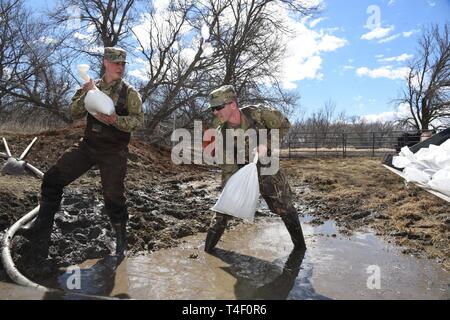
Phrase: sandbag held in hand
(95,101)
(240,195)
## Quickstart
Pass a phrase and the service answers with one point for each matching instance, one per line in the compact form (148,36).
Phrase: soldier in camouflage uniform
(275,188)
(105,144)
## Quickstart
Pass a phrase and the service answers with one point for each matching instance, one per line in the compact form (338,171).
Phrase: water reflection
(96,280)
(260,279)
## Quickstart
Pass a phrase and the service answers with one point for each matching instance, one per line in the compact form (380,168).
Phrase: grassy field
(360,192)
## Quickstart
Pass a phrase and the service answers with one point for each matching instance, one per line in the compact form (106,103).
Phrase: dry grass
(342,187)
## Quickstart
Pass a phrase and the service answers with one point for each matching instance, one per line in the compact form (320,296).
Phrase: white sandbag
(400,162)
(413,174)
(83,72)
(95,101)
(441,181)
(240,195)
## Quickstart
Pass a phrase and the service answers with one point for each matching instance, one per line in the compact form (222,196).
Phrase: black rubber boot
(292,224)
(121,238)
(215,232)
(40,228)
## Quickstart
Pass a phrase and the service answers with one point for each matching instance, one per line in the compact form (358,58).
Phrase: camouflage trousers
(275,190)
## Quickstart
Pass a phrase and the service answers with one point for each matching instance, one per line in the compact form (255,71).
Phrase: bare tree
(92,24)
(244,46)
(31,79)
(427,92)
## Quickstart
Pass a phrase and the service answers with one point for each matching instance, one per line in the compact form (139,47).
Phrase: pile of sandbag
(428,166)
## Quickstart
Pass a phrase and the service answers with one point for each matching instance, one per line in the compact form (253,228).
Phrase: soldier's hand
(88,86)
(261,150)
(106,119)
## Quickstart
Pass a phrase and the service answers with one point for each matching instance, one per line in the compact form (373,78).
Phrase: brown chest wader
(102,145)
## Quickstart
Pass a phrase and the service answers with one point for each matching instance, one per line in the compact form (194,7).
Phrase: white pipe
(8,263)
(24,153)
(6,147)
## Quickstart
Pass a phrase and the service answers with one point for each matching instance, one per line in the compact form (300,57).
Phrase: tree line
(183,50)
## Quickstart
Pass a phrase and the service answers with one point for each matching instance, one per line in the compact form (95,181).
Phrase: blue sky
(334,55)
(361,76)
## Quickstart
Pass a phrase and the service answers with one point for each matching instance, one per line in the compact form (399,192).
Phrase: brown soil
(168,202)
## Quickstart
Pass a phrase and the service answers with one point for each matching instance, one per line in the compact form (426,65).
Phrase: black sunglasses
(218,108)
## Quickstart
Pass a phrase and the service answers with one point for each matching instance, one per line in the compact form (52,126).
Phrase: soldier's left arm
(274,119)
(135,118)
(271,118)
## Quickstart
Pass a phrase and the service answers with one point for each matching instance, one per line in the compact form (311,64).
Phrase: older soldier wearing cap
(274,188)
(105,144)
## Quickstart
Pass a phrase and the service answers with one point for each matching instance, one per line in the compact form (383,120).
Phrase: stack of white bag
(95,100)
(428,166)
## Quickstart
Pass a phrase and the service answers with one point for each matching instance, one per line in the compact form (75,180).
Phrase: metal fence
(348,144)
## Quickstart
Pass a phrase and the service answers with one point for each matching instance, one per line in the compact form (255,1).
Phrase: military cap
(115,54)
(222,95)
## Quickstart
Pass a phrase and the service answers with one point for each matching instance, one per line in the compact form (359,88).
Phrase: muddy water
(254,261)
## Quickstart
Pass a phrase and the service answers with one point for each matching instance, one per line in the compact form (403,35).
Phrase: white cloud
(303,53)
(401,112)
(431,3)
(330,43)
(383,72)
(315,22)
(377,33)
(409,33)
(401,58)
(81,36)
(138,73)
(48,40)
(348,67)
(388,39)
(391,3)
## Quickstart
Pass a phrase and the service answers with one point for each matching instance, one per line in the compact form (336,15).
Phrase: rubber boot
(40,228)
(215,232)
(121,238)
(294,228)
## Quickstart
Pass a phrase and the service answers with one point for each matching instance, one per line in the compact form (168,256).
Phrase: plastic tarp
(428,166)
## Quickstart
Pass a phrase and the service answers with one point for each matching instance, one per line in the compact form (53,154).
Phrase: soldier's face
(226,112)
(115,70)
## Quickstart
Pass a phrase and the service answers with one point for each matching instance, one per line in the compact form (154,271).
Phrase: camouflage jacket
(133,121)
(261,117)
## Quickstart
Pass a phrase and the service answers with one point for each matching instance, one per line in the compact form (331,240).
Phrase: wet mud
(169,213)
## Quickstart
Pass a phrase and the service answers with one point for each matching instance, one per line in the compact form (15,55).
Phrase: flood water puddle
(255,261)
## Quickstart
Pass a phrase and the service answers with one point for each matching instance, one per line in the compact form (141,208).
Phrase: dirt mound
(165,203)
(50,145)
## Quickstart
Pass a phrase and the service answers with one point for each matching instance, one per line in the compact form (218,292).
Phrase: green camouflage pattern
(222,95)
(133,121)
(114,54)
(263,117)
(274,188)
